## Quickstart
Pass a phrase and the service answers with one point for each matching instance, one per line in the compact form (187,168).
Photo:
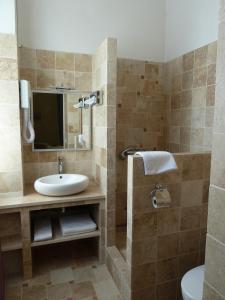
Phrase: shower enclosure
(162,106)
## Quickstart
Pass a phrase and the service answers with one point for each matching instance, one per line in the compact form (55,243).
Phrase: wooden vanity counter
(32,198)
(16,220)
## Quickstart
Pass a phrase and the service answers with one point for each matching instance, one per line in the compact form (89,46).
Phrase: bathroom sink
(61,184)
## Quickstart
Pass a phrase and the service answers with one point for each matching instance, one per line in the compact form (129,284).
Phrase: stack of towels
(42,229)
(75,224)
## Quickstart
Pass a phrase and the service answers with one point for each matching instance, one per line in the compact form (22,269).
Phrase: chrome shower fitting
(130,151)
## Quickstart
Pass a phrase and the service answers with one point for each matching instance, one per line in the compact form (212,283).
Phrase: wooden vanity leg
(101,240)
(26,243)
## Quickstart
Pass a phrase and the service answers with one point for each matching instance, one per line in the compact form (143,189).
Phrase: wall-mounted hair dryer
(25,100)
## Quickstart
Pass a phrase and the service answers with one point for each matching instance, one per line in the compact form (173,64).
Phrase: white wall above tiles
(146,29)
(7,16)
(81,25)
(190,24)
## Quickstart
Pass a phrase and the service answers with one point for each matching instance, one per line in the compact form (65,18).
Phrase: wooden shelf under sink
(10,243)
(59,238)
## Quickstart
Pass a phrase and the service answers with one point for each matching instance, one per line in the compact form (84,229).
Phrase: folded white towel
(157,162)
(76,224)
(42,229)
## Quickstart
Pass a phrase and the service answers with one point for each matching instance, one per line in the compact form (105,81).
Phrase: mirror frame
(64,92)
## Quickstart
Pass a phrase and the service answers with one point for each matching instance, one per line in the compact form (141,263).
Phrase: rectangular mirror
(58,124)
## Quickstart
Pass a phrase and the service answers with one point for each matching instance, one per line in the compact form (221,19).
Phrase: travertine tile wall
(190,86)
(163,244)
(104,131)
(11,178)
(214,287)
(164,107)
(46,69)
(141,117)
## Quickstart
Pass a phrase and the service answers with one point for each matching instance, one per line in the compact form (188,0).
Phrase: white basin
(61,184)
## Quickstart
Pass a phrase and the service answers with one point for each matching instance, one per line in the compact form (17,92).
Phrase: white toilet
(192,284)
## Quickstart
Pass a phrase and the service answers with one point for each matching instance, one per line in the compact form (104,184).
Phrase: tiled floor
(72,283)
(65,273)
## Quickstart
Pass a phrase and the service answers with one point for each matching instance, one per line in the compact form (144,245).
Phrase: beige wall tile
(167,246)
(199,97)
(83,63)
(186,99)
(47,168)
(201,56)
(215,269)
(144,251)
(45,78)
(167,290)
(64,79)
(195,197)
(166,270)
(188,61)
(190,218)
(143,294)
(64,61)
(167,221)
(8,46)
(200,77)
(147,271)
(211,76)
(8,69)
(187,262)
(189,241)
(9,116)
(83,81)
(9,92)
(47,156)
(216,220)
(210,96)
(31,172)
(217,171)
(210,293)
(30,75)
(11,164)
(27,58)
(192,167)
(10,149)
(197,119)
(209,117)
(143,225)
(45,59)
(10,182)
(187,80)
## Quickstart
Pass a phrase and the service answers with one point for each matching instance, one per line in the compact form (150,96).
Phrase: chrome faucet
(60,164)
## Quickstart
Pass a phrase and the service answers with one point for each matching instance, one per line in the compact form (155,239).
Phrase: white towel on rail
(157,162)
